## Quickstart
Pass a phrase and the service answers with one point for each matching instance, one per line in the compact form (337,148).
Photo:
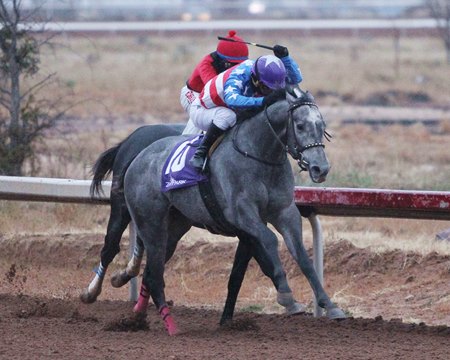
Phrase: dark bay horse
(253,181)
(116,160)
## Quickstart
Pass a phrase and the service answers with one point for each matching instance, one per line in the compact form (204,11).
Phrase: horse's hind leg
(178,226)
(122,277)
(155,236)
(154,282)
(119,219)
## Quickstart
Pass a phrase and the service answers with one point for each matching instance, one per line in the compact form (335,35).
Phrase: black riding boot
(209,138)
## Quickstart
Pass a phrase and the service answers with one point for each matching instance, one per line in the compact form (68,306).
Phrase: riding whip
(245,42)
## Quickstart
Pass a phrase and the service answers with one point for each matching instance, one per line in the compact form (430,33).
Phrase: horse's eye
(299,127)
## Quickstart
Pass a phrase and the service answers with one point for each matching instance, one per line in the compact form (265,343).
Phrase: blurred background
(131,10)
(379,71)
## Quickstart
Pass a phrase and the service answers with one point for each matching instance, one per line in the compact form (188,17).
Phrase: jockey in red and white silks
(227,54)
(234,90)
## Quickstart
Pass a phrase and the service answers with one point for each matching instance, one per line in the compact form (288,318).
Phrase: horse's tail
(102,168)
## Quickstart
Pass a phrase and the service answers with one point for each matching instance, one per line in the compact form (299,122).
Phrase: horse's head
(295,125)
(305,133)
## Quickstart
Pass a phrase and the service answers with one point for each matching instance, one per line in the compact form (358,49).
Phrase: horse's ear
(293,89)
(289,97)
(309,96)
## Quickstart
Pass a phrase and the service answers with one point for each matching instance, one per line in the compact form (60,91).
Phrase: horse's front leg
(119,219)
(288,223)
(265,250)
(241,259)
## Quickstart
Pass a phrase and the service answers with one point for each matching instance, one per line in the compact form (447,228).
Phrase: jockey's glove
(274,96)
(280,51)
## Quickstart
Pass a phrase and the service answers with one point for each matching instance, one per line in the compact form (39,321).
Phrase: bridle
(297,150)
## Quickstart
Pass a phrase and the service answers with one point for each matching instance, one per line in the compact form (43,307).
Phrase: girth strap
(212,205)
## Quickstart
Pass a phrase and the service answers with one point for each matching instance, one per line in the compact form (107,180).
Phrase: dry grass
(382,235)
(141,75)
(124,82)
(130,81)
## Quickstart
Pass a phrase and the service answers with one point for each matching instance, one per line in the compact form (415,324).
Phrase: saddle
(177,173)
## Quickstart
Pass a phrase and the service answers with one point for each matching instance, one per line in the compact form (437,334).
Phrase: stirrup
(205,162)
(199,168)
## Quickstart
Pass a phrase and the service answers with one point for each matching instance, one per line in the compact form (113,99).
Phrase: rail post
(317,255)
(133,289)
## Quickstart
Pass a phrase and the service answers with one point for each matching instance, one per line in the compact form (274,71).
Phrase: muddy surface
(398,305)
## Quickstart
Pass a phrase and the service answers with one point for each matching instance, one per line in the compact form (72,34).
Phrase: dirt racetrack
(42,318)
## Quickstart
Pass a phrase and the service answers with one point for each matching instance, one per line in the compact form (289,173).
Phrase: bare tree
(440,10)
(24,113)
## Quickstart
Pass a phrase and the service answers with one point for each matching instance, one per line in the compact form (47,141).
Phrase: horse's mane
(247,113)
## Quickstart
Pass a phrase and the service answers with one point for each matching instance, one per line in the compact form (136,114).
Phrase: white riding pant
(187,97)
(191,129)
(221,116)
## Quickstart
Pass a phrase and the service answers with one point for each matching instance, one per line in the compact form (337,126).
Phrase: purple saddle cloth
(177,173)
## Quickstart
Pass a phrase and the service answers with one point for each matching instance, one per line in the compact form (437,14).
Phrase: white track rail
(327,201)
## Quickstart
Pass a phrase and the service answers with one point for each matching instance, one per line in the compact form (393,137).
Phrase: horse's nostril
(315,170)
(318,173)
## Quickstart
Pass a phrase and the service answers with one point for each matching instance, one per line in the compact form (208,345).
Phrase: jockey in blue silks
(249,85)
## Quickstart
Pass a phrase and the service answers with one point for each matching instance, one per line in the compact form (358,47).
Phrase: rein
(296,152)
(246,154)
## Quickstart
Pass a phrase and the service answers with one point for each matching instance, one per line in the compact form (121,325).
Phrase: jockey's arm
(235,85)
(206,69)
(234,88)
(293,73)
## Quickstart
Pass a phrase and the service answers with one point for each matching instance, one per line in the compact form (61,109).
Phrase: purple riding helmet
(270,71)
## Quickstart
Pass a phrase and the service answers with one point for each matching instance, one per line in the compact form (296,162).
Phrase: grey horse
(254,183)
(116,160)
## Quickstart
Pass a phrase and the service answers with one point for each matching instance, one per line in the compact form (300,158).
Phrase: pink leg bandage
(168,320)
(143,299)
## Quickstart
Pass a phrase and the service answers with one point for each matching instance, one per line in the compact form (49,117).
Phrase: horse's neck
(264,134)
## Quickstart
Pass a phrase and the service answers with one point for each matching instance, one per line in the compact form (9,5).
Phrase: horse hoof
(170,326)
(295,308)
(141,305)
(335,313)
(119,279)
(169,322)
(225,321)
(88,298)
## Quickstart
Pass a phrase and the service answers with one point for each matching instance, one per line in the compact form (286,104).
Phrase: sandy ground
(398,306)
